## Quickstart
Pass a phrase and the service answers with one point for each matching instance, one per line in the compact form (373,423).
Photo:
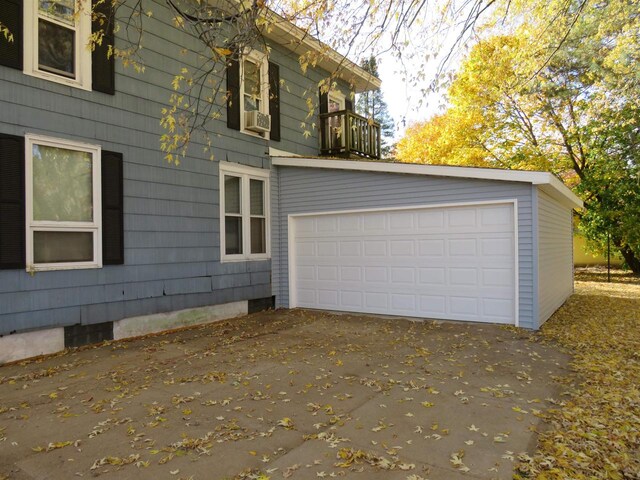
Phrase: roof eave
(544,180)
(298,41)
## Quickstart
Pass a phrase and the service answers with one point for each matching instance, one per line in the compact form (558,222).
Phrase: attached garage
(420,241)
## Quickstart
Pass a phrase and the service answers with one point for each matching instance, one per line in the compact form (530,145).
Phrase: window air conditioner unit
(257,121)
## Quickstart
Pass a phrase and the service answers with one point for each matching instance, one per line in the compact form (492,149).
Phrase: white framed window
(56,34)
(244,213)
(63,204)
(254,88)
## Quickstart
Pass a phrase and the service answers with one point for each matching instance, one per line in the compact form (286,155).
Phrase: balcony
(347,134)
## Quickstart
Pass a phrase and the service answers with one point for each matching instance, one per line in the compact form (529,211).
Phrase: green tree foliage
(371,104)
(561,97)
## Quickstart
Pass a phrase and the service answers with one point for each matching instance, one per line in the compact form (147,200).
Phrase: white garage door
(453,263)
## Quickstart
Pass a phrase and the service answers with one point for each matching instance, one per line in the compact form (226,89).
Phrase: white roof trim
(547,182)
(297,40)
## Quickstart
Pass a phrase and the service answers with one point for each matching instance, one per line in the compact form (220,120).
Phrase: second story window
(254,85)
(55,42)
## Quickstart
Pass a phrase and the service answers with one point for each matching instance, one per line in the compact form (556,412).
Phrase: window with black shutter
(233,94)
(12,227)
(274,101)
(49,38)
(11,51)
(112,209)
(61,204)
(103,65)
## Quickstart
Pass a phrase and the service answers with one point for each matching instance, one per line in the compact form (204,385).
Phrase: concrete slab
(275,390)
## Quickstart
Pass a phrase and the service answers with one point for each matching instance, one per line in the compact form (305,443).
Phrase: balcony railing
(345,133)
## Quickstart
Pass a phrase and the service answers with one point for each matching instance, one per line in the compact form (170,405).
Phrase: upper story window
(63,204)
(56,36)
(254,94)
(244,217)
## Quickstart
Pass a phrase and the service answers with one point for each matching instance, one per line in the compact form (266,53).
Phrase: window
(244,207)
(56,36)
(336,102)
(63,204)
(254,88)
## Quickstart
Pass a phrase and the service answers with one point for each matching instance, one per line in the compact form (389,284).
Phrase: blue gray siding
(171,217)
(305,190)
(555,255)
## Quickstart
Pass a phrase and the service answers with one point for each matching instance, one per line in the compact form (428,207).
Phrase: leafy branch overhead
(563,98)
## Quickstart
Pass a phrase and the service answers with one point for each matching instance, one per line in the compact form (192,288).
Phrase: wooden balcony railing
(344,133)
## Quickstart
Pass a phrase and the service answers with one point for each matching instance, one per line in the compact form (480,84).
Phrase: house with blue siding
(101,238)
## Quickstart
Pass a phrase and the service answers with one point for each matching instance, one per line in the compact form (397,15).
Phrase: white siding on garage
(555,255)
(454,263)
(306,190)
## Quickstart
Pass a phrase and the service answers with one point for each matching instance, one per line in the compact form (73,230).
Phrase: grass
(595,432)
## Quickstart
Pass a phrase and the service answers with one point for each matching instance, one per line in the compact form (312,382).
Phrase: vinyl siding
(306,190)
(555,255)
(172,244)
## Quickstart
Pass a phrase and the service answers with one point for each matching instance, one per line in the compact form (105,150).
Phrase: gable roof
(546,181)
(299,41)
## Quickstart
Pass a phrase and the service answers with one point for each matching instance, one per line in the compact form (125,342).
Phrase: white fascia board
(297,40)
(546,181)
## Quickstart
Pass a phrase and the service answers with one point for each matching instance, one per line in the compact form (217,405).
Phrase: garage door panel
(375,248)
(433,306)
(462,247)
(497,307)
(430,276)
(375,223)
(404,275)
(400,221)
(463,306)
(375,275)
(329,273)
(497,277)
(328,298)
(377,300)
(432,221)
(462,277)
(451,263)
(350,274)
(351,248)
(431,248)
(326,224)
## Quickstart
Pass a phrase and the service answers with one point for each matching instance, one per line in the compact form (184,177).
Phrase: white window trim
(82,51)
(38,225)
(260,58)
(245,174)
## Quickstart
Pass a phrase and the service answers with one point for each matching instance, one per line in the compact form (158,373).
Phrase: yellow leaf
(223,51)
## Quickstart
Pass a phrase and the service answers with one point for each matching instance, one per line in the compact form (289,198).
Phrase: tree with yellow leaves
(563,99)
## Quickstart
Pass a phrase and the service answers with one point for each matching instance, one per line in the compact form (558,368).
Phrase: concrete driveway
(285,394)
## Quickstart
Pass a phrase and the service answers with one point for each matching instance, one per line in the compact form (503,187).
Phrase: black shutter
(11,17)
(233,93)
(12,220)
(274,101)
(103,67)
(348,104)
(112,209)
(324,102)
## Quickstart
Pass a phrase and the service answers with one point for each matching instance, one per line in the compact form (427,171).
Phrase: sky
(402,98)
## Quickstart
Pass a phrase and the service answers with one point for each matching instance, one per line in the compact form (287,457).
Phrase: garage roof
(546,181)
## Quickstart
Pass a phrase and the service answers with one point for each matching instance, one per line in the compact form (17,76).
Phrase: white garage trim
(546,181)
(293,300)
